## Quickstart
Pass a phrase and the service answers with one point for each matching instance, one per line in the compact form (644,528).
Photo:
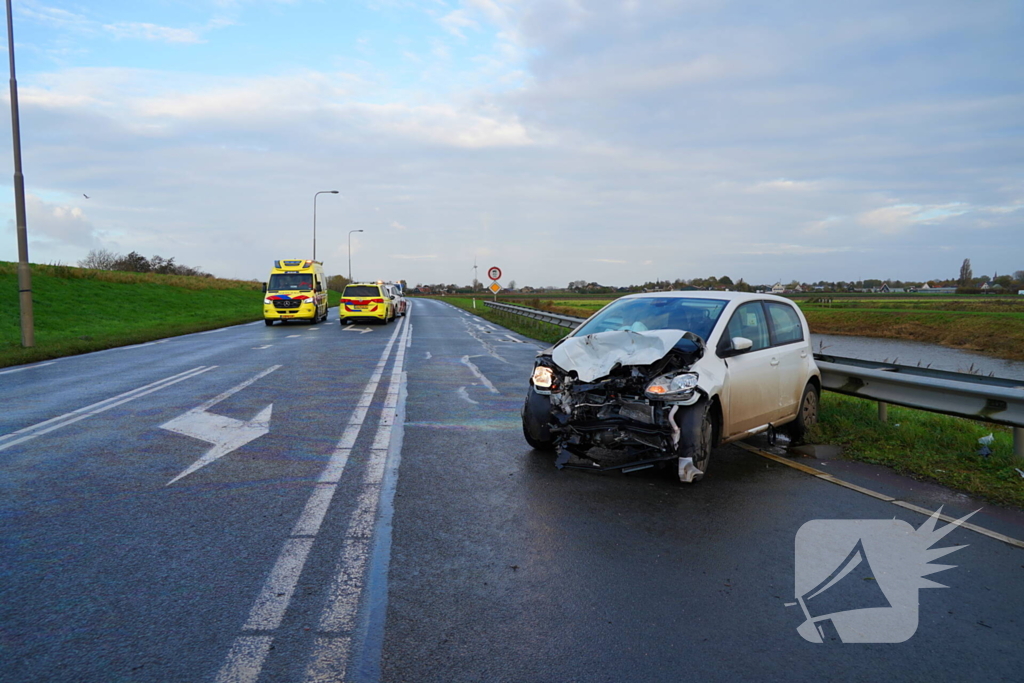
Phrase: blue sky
(560,140)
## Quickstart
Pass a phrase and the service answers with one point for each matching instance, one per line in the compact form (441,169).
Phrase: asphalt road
(303,503)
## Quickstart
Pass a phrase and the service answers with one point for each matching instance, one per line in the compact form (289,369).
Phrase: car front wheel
(697,437)
(536,421)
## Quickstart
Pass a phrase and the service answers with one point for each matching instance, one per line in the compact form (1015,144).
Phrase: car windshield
(290,281)
(361,291)
(656,313)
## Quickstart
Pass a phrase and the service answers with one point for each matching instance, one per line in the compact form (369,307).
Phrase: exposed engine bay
(620,390)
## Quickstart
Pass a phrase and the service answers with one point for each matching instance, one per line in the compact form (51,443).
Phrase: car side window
(749,321)
(785,323)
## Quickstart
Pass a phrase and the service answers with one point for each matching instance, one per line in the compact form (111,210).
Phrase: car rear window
(361,291)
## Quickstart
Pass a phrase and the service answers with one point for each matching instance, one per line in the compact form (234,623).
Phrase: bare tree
(966,275)
(100,259)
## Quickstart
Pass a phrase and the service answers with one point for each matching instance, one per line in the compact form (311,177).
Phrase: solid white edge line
(27,367)
(89,411)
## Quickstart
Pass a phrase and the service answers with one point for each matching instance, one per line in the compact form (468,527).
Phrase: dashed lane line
(53,424)
(245,660)
(825,476)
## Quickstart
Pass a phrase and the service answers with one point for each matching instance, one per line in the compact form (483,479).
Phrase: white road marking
(331,650)
(266,346)
(293,336)
(27,367)
(517,341)
(360,330)
(428,356)
(464,395)
(268,611)
(31,432)
(245,661)
(476,371)
(225,433)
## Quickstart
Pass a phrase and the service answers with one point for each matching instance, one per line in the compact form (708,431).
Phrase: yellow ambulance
(296,290)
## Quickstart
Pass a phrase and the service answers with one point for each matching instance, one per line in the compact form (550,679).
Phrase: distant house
(778,288)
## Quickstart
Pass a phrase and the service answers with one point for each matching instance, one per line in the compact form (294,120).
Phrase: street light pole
(314,211)
(24,271)
(350,253)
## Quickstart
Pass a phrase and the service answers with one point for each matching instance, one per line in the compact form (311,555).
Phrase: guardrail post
(883,411)
(1018,442)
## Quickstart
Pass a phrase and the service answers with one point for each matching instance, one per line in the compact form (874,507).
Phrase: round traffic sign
(494,273)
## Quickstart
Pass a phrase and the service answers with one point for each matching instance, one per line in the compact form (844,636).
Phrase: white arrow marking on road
(360,330)
(225,433)
(267,346)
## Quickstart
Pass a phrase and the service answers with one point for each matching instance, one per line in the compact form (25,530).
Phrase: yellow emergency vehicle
(296,290)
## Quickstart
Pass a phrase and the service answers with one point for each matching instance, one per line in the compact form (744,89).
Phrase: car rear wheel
(536,421)
(807,414)
(267,322)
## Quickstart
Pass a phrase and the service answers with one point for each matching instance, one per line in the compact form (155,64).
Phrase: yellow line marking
(825,476)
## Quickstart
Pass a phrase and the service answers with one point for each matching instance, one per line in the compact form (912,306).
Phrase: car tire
(806,416)
(697,437)
(536,421)
(267,322)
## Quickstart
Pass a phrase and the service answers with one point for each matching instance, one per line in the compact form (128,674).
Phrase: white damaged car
(661,379)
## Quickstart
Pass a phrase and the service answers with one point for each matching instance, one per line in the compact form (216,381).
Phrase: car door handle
(803,354)
(775,361)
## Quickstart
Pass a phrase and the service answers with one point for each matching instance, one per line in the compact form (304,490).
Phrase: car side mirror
(264,287)
(741,344)
(734,346)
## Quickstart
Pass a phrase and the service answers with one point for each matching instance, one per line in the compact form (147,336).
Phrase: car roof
(713,294)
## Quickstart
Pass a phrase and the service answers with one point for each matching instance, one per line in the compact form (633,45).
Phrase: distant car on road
(663,378)
(397,297)
(366,302)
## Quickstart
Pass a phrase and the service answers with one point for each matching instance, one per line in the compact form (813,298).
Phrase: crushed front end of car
(613,399)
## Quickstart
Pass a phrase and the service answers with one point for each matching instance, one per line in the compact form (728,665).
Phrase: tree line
(134,262)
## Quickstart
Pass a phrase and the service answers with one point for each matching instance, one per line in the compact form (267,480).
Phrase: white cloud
(414,257)
(144,31)
(397,226)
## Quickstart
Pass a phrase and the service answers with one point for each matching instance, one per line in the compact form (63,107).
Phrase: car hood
(593,356)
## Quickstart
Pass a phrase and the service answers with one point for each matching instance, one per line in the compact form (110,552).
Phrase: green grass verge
(923,445)
(915,443)
(78,310)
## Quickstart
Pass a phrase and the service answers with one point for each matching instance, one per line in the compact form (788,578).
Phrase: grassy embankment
(913,442)
(78,310)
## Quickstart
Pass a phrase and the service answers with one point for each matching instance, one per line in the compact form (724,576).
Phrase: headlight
(672,386)
(268,301)
(543,378)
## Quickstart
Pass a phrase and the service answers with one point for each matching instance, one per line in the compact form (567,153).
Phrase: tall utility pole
(28,337)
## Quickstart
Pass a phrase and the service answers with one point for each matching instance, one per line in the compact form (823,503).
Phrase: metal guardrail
(560,320)
(975,397)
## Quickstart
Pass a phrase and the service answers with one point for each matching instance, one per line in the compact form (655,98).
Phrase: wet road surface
(384,520)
